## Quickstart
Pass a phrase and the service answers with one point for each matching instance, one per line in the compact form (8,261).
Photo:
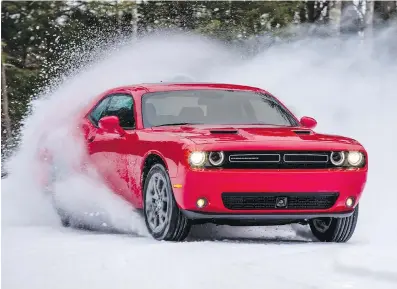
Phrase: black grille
(306,158)
(254,158)
(279,201)
(277,160)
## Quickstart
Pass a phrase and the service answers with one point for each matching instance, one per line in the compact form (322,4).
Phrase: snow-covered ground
(346,90)
(44,257)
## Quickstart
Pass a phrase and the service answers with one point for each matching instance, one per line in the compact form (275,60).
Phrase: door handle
(91,138)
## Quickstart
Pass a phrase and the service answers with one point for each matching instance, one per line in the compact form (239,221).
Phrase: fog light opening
(201,203)
(349,202)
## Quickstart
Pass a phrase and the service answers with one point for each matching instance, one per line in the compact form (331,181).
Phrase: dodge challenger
(191,153)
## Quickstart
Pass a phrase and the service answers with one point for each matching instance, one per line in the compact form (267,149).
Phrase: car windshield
(213,107)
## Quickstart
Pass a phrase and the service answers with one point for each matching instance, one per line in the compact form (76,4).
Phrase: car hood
(260,137)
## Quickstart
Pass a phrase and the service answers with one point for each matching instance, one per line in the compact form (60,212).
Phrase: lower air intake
(279,201)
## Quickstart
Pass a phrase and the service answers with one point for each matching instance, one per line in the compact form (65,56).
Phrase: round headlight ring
(341,160)
(197,158)
(216,158)
(355,158)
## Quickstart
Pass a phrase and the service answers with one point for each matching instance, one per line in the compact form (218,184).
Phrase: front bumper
(195,215)
(191,185)
(258,219)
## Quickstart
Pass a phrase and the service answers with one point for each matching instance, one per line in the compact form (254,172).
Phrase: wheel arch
(151,159)
(178,226)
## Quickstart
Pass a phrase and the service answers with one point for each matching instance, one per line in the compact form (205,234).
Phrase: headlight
(337,158)
(216,158)
(355,159)
(197,158)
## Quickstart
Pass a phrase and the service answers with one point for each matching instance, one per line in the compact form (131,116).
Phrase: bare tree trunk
(135,20)
(311,11)
(335,14)
(7,119)
(369,18)
(348,20)
(116,5)
(384,9)
(392,8)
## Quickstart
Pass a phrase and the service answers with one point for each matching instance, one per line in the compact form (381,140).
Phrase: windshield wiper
(177,123)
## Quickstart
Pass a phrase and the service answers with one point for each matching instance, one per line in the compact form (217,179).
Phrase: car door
(109,151)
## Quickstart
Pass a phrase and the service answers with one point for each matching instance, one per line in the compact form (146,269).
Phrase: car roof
(168,86)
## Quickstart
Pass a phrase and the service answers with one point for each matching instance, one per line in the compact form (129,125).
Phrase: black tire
(63,216)
(176,226)
(339,230)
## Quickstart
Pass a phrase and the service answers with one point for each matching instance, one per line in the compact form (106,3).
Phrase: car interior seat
(126,117)
(191,114)
(149,115)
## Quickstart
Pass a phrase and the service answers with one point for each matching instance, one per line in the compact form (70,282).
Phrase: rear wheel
(63,216)
(338,230)
(163,218)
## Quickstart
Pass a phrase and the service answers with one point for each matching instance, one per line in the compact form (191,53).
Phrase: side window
(97,113)
(121,105)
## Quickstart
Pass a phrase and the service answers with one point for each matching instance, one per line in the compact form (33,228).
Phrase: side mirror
(111,124)
(308,122)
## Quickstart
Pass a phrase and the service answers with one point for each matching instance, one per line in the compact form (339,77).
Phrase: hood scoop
(302,132)
(223,131)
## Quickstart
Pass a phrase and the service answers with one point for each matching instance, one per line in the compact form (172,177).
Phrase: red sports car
(222,153)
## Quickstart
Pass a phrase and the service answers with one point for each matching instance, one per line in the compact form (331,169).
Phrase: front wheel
(338,230)
(163,218)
